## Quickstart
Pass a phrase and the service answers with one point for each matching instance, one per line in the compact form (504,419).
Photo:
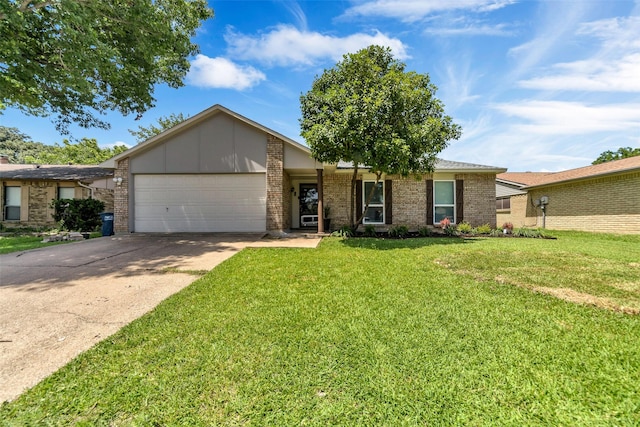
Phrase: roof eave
(582,178)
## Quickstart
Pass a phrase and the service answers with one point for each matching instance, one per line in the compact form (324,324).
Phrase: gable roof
(538,179)
(192,121)
(54,172)
(443,165)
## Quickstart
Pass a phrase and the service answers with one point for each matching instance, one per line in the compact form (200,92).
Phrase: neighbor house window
(503,203)
(66,193)
(12,196)
(375,211)
(444,201)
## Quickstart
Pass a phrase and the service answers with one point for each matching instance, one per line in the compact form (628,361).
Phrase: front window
(66,193)
(444,203)
(503,203)
(375,211)
(12,196)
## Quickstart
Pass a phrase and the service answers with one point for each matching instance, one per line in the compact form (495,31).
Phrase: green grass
(10,244)
(372,332)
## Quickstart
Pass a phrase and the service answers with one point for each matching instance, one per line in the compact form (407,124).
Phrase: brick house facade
(26,191)
(280,171)
(601,198)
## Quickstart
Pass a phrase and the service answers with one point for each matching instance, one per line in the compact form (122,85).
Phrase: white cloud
(615,32)
(222,73)
(594,75)
(116,143)
(287,46)
(615,67)
(557,24)
(571,118)
(472,29)
(414,10)
(298,14)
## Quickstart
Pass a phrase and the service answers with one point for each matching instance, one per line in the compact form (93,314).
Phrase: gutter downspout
(88,188)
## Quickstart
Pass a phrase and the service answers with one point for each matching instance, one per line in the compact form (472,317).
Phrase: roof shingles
(54,172)
(535,179)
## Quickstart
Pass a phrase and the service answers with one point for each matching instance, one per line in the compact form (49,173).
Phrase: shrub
(483,229)
(370,231)
(78,214)
(424,231)
(399,231)
(529,232)
(465,227)
(451,230)
(344,231)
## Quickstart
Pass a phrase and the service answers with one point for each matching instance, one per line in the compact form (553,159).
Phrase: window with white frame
(12,196)
(375,211)
(444,201)
(66,193)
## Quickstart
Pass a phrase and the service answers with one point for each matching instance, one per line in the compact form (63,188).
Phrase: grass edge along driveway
(371,332)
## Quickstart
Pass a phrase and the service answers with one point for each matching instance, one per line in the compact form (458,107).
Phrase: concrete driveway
(59,301)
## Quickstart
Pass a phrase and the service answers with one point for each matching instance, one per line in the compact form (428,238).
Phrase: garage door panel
(200,203)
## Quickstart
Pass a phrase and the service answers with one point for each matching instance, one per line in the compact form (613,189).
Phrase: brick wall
(35,208)
(607,204)
(105,195)
(275,181)
(337,189)
(121,198)
(517,214)
(479,198)
(410,199)
(39,198)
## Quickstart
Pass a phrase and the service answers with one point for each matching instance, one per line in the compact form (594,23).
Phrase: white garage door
(200,203)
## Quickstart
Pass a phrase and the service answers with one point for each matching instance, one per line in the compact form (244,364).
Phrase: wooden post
(320,202)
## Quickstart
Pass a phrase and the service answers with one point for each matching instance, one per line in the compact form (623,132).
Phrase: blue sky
(535,85)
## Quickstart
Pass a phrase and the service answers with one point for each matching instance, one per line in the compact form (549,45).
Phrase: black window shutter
(358,199)
(388,201)
(459,201)
(429,202)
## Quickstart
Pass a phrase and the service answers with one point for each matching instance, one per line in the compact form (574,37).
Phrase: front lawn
(10,244)
(374,332)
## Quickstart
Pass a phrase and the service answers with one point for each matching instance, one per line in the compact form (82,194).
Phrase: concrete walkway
(59,301)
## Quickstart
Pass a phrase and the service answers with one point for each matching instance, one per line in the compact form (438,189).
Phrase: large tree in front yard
(367,110)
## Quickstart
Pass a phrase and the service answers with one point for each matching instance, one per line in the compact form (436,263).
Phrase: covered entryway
(200,202)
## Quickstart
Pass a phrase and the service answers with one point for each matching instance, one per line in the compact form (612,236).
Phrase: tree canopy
(20,149)
(164,123)
(621,153)
(84,152)
(78,59)
(367,110)
(17,146)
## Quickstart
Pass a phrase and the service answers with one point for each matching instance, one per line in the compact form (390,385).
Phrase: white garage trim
(200,203)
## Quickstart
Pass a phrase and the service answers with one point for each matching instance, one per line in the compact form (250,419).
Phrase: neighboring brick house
(27,190)
(602,198)
(221,172)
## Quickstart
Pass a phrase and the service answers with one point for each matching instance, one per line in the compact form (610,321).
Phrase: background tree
(367,110)
(74,58)
(18,146)
(164,123)
(84,152)
(622,153)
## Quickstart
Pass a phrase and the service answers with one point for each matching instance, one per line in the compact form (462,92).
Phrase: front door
(308,205)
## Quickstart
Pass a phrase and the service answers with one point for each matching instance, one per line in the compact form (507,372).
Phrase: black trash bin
(107,223)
